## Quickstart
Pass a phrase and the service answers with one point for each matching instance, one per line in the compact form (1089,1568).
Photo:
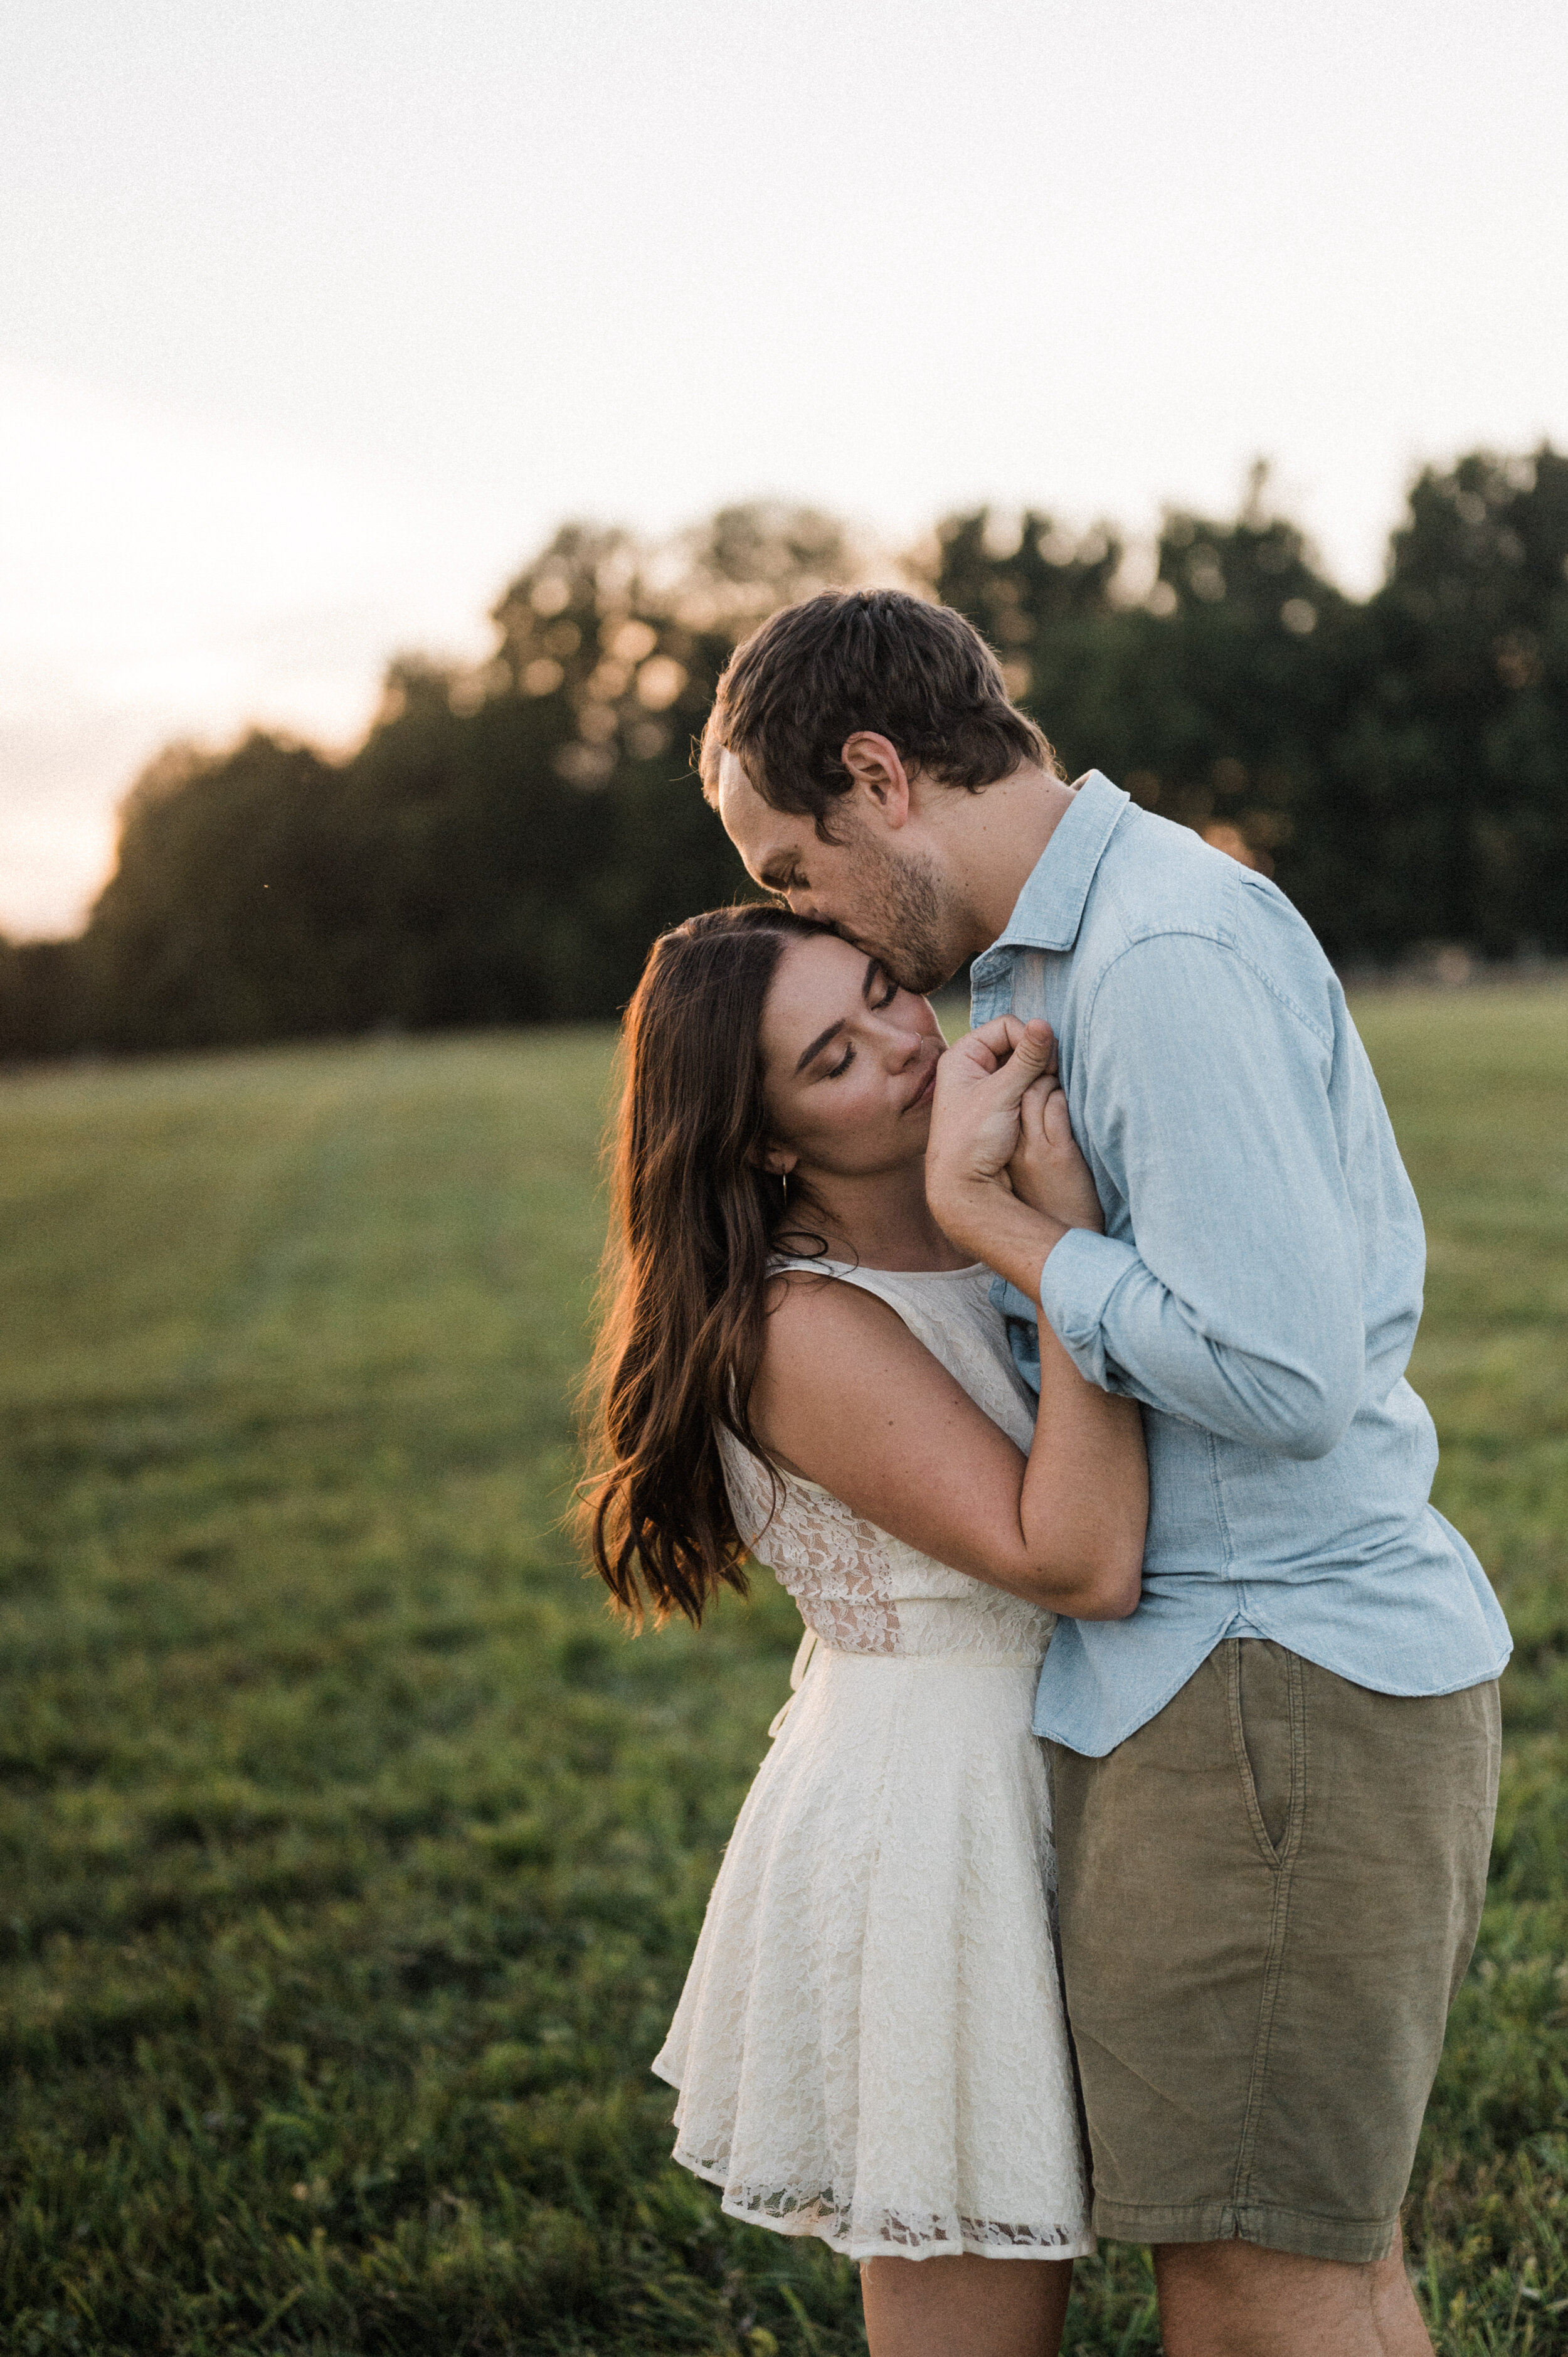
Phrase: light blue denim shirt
(1258,1285)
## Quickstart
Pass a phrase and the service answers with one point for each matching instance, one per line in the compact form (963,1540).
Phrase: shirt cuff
(1080,1277)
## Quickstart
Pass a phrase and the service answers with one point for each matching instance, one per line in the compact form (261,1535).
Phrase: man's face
(887,901)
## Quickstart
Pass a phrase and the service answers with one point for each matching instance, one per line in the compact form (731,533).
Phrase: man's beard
(909,937)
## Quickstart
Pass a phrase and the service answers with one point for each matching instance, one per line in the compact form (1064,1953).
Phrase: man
(1275,1784)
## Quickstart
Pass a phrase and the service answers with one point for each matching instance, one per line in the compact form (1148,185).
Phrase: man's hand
(976,1126)
(1046,1172)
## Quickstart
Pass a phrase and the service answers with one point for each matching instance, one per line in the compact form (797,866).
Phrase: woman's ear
(778,1161)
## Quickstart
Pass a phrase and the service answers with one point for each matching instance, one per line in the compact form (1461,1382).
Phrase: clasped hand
(1000,1126)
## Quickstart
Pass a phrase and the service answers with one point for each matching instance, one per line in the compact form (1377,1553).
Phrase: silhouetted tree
(1459,748)
(1402,765)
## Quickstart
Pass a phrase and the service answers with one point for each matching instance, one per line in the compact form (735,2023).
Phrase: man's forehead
(727,778)
(760,833)
(738,796)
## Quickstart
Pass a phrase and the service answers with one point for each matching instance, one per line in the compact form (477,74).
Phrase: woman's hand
(975,1131)
(981,1082)
(1047,1170)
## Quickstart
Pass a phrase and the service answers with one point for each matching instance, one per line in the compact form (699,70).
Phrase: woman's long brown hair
(694,1220)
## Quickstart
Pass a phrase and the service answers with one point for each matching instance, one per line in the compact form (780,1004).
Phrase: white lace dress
(871,2044)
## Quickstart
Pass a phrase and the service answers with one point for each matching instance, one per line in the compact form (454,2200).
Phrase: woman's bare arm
(847,1396)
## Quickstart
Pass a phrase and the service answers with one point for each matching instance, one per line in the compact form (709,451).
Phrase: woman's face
(849,1061)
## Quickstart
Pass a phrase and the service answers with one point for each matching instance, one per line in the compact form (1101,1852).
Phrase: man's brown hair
(879,659)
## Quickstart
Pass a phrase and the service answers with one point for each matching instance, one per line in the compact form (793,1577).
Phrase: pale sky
(316,316)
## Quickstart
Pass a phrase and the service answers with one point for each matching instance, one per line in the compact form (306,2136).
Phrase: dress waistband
(952,1657)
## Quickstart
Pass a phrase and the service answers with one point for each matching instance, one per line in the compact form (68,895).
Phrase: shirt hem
(1088,1744)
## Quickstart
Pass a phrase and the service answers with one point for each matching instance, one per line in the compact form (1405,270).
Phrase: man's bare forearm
(985,1219)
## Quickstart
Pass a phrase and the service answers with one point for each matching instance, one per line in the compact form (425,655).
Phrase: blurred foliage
(508,840)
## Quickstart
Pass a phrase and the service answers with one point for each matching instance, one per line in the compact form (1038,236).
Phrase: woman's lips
(923,1094)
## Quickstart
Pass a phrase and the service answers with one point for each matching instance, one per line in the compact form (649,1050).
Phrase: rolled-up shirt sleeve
(1234,1299)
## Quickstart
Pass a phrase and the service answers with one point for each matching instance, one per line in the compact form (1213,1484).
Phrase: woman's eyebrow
(873,968)
(818,1044)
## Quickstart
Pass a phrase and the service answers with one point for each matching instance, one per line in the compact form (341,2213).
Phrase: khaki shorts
(1269,1896)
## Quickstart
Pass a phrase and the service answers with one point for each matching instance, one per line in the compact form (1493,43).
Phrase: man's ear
(877,768)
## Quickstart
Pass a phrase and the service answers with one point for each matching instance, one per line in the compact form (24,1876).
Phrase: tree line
(507,840)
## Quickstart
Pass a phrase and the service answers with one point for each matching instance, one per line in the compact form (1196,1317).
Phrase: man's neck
(996,842)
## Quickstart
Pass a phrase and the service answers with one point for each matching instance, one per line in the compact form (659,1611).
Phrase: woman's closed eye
(836,1072)
(878,990)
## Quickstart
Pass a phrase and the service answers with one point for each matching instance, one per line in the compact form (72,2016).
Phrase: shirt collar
(1049,908)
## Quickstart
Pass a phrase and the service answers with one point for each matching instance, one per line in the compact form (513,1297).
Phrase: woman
(798,1366)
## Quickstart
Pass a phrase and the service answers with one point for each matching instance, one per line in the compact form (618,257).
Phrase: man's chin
(922,978)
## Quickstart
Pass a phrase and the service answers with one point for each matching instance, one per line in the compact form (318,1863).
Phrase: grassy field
(350,1859)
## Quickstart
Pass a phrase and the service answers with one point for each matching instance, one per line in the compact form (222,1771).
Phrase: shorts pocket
(1268,1732)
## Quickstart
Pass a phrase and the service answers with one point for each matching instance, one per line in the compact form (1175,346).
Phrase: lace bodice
(859,1589)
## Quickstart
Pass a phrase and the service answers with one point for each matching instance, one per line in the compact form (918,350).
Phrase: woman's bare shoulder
(809,1308)
(831,1348)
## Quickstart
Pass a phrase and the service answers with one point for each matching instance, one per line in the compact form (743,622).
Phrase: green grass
(350,1859)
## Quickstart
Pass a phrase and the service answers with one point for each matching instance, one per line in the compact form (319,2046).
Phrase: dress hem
(848,2247)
